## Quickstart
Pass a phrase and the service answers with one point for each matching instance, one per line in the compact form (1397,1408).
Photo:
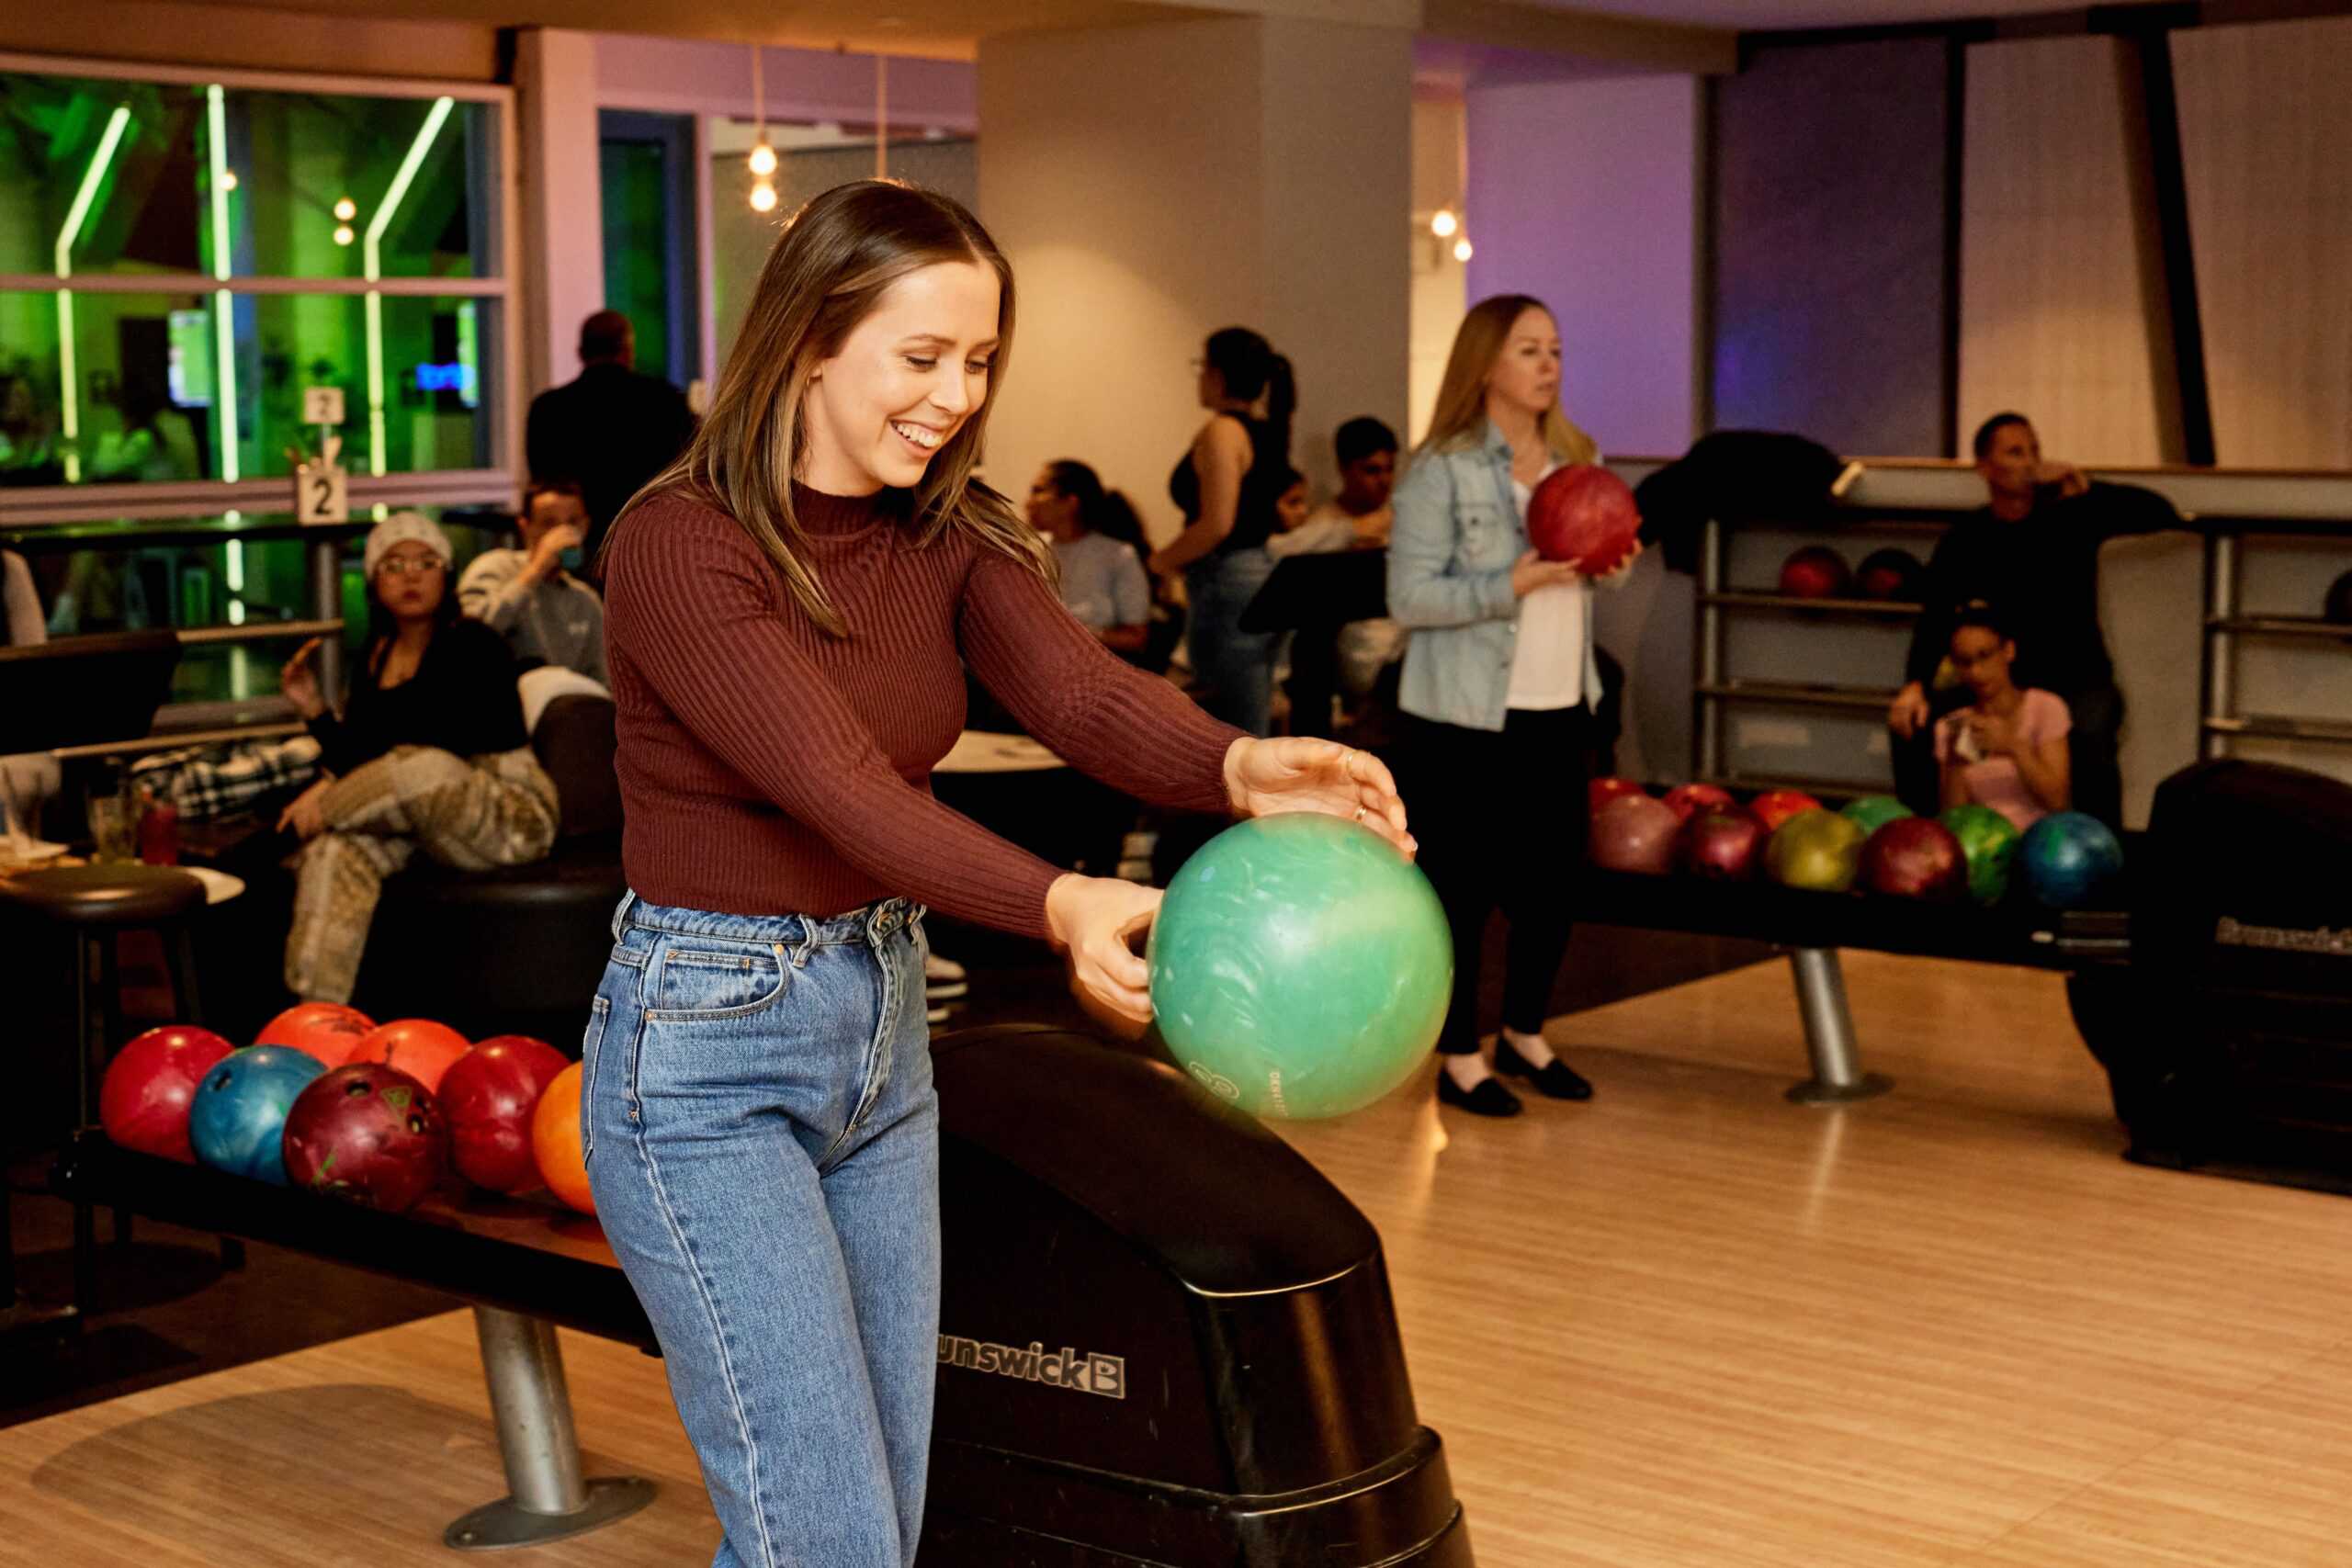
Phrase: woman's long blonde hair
(1462,396)
(830,269)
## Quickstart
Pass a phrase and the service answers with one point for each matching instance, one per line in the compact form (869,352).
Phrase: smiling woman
(790,610)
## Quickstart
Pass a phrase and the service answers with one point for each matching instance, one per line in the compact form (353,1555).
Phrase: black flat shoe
(1553,1080)
(1489,1099)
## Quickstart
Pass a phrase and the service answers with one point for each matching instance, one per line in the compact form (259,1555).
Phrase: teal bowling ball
(1300,966)
(2070,860)
(236,1122)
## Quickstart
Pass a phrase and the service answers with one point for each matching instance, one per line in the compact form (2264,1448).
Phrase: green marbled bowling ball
(1872,812)
(1990,841)
(1300,966)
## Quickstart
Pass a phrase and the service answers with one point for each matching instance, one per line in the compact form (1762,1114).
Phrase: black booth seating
(516,949)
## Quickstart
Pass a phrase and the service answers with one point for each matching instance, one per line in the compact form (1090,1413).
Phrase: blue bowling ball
(237,1122)
(2069,860)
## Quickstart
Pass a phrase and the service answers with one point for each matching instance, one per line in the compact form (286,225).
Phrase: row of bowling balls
(1973,853)
(328,1099)
(1816,571)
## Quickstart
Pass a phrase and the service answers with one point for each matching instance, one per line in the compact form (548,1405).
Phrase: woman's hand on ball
(1293,774)
(1096,920)
(1531,571)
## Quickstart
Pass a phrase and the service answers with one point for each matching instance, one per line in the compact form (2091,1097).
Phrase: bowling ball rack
(1166,1338)
(1812,927)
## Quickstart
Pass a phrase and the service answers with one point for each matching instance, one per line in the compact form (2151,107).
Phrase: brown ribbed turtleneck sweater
(769,768)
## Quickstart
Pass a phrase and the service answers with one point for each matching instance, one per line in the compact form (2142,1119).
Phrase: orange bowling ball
(555,1141)
(417,1047)
(328,1030)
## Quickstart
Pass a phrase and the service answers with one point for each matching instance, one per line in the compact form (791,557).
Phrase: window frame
(501,228)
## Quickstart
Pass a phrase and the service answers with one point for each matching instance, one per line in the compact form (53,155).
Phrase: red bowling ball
(1721,846)
(1600,792)
(1585,516)
(1688,800)
(1916,857)
(328,1030)
(417,1047)
(144,1100)
(1634,833)
(1775,807)
(1815,571)
(367,1133)
(488,1100)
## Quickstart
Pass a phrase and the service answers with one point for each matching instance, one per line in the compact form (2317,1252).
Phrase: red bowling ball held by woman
(790,612)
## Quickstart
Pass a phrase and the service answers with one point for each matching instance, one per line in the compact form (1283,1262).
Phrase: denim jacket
(1456,535)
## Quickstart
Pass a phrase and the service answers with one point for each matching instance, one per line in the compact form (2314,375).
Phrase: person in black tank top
(1226,486)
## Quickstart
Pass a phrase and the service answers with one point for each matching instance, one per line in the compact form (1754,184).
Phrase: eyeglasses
(411,566)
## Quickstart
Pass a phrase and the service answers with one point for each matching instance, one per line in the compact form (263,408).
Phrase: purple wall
(1833,167)
(1584,194)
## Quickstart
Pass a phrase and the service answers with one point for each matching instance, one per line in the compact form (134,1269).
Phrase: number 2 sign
(322,493)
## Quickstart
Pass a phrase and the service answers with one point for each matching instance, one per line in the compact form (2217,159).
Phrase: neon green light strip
(69,370)
(372,262)
(224,320)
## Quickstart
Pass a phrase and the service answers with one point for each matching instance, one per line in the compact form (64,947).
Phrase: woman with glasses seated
(429,753)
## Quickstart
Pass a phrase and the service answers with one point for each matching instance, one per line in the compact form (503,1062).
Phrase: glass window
(145,395)
(103,176)
(170,189)
(328,186)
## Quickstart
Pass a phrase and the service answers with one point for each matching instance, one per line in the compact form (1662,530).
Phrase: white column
(563,229)
(1153,184)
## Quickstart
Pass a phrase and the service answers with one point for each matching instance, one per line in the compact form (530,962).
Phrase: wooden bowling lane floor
(1686,1324)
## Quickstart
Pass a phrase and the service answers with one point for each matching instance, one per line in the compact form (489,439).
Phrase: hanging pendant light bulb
(763,196)
(1442,223)
(1461,249)
(763,158)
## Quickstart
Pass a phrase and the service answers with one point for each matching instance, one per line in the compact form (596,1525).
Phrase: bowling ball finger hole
(355,1089)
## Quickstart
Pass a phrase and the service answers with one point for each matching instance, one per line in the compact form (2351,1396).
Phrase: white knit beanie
(403,527)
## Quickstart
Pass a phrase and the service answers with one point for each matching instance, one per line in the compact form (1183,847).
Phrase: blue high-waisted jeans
(763,1140)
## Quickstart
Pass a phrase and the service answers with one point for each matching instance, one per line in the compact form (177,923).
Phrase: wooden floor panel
(1688,1324)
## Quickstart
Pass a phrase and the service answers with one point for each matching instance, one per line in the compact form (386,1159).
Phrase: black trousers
(1500,818)
(2091,747)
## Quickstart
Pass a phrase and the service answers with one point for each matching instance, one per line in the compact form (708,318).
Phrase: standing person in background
(1094,534)
(1226,486)
(530,597)
(1499,683)
(610,429)
(2032,555)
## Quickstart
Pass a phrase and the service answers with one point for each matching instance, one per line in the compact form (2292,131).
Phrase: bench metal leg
(547,1500)
(1838,1077)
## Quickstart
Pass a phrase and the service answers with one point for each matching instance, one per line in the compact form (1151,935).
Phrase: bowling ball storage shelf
(1813,927)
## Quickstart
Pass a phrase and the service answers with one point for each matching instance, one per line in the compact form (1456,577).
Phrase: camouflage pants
(496,810)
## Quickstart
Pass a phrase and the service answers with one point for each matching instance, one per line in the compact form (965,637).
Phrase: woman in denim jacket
(1499,688)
